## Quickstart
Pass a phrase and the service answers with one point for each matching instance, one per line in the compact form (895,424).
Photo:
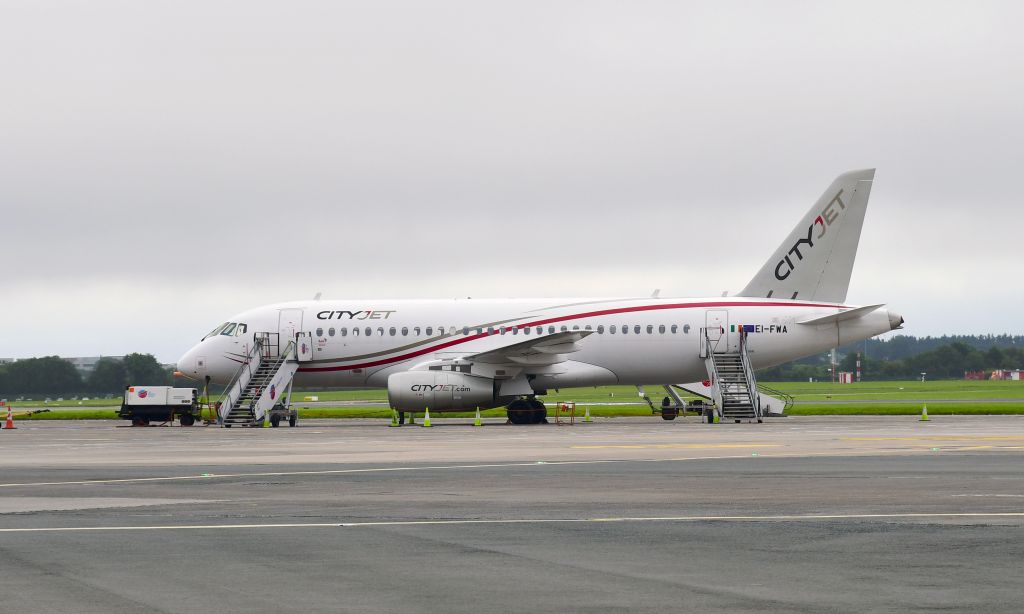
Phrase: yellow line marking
(941,438)
(405,523)
(686,446)
(960,449)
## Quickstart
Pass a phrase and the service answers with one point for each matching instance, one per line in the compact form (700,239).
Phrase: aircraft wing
(538,351)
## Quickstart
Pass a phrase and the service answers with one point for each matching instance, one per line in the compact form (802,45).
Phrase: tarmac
(801,514)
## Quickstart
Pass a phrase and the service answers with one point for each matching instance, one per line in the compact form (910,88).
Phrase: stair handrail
(786,398)
(234,389)
(278,362)
(748,373)
(712,368)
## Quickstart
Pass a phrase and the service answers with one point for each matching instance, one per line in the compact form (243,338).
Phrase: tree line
(945,361)
(900,347)
(52,375)
(902,357)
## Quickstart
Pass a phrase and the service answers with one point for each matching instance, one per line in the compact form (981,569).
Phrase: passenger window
(587,327)
(636,329)
(319,332)
(674,329)
(686,329)
(540,330)
(600,329)
(551,330)
(526,330)
(453,331)
(661,329)
(625,329)
(576,327)
(565,329)
(430,330)
(229,329)
(330,331)
(465,330)
(392,331)
(367,331)
(490,330)
(515,330)
(650,329)
(380,331)
(405,331)
(611,329)
(344,331)
(355,332)
(416,330)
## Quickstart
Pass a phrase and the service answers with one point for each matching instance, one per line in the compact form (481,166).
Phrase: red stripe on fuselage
(578,316)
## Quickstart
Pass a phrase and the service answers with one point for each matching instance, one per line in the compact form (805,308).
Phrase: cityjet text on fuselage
(824,220)
(439,388)
(362,314)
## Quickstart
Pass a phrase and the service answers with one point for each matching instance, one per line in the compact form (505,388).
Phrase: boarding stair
(733,386)
(263,380)
(671,406)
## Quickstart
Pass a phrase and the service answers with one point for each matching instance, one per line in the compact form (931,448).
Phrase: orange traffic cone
(10,419)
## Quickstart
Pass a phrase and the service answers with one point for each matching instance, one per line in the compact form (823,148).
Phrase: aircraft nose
(186,365)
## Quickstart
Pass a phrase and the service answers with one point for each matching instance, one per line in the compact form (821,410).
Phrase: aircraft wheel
(668,414)
(292,419)
(539,413)
(187,419)
(520,412)
(275,421)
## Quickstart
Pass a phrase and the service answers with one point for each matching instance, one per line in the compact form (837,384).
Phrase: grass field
(820,398)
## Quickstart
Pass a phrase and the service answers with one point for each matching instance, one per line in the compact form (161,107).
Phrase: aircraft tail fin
(816,259)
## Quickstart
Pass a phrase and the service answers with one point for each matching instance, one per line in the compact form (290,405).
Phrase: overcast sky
(164,165)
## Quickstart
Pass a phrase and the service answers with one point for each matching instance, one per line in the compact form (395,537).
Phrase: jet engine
(440,390)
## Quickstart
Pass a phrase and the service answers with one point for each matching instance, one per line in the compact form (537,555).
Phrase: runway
(837,514)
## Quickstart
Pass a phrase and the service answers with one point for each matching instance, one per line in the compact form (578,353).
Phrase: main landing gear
(527,411)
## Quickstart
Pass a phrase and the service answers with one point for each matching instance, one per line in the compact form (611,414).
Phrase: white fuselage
(360,343)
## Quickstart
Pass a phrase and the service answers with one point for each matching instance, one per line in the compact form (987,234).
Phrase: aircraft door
(289,325)
(717,323)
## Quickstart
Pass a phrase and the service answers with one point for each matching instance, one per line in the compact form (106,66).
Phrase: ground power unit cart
(145,404)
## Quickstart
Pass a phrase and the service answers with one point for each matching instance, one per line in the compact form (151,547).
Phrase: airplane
(460,354)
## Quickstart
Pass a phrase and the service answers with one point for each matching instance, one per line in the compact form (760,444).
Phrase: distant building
(1006,374)
(87,364)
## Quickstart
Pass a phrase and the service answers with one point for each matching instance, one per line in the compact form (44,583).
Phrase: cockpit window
(229,329)
(240,330)
(216,331)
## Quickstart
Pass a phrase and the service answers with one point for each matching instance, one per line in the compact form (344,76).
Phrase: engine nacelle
(439,390)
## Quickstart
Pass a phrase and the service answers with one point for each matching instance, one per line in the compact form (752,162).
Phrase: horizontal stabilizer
(849,314)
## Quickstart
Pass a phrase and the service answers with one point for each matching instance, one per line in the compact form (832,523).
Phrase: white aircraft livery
(461,354)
